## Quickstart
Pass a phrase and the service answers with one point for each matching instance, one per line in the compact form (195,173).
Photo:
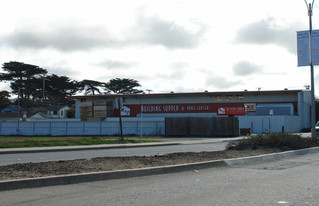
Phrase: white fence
(131,126)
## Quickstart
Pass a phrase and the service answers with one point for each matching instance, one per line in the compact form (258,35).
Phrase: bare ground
(43,169)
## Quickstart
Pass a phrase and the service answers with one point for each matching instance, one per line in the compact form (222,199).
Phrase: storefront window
(240,97)
(219,98)
(229,98)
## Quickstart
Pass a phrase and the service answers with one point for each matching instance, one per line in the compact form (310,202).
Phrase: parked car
(317,127)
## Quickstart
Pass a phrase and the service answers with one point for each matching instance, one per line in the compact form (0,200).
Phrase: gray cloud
(147,31)
(221,83)
(244,68)
(266,32)
(168,34)
(60,70)
(114,64)
(63,38)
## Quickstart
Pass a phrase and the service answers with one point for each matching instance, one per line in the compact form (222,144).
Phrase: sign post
(309,59)
(119,103)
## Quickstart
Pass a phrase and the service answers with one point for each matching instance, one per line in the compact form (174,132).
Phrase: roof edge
(185,93)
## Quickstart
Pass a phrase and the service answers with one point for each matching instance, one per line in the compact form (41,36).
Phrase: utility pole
(43,92)
(19,109)
(119,105)
(313,107)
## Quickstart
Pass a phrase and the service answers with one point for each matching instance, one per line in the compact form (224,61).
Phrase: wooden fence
(202,126)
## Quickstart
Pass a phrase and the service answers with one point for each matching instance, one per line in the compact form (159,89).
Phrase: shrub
(283,141)
(306,130)
(245,131)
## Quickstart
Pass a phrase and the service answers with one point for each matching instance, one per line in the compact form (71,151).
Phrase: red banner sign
(231,111)
(250,107)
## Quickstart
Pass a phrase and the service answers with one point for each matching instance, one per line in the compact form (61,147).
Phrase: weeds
(12,142)
(283,141)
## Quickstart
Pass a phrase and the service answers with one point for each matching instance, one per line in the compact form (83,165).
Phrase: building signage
(221,111)
(133,110)
(315,47)
(303,48)
(175,108)
(125,111)
(231,111)
(251,107)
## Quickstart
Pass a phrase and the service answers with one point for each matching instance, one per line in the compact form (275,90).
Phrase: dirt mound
(30,170)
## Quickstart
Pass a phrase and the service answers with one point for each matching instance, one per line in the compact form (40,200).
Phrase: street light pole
(43,92)
(19,109)
(313,105)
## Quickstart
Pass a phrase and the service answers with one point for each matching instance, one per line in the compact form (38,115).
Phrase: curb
(97,147)
(268,157)
(99,176)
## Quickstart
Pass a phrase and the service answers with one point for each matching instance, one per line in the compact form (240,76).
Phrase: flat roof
(185,94)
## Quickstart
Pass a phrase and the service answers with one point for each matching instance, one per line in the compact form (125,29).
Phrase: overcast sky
(167,45)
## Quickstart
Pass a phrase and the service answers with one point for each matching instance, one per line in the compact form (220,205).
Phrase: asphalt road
(6,159)
(291,181)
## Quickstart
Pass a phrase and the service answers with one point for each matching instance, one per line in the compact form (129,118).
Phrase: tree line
(35,87)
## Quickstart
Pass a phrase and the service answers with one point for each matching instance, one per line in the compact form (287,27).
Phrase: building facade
(261,111)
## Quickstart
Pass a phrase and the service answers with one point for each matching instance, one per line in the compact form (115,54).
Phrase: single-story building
(261,111)
(57,111)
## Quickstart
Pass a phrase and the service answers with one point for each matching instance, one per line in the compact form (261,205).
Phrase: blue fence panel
(42,128)
(59,128)
(147,128)
(293,124)
(131,126)
(76,128)
(26,128)
(266,124)
(92,128)
(160,128)
(139,126)
(111,128)
(9,128)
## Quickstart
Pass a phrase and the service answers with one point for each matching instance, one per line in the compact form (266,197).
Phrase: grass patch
(283,141)
(22,141)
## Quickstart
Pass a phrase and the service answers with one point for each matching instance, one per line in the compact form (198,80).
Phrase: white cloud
(166,45)
(116,64)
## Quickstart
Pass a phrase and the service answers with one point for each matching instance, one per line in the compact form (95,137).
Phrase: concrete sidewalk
(165,142)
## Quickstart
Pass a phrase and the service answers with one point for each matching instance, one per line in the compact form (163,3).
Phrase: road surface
(290,181)
(7,159)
